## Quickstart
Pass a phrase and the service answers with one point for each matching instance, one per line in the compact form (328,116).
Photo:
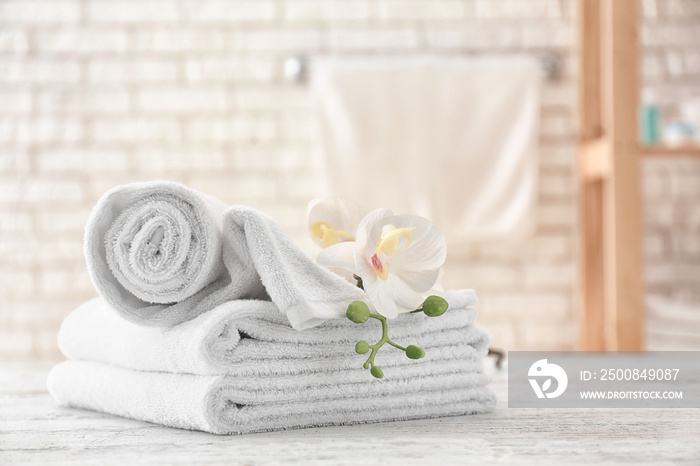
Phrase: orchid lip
(391,237)
(379,267)
(328,236)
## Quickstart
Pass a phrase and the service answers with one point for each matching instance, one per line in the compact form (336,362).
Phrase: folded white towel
(225,404)
(161,254)
(253,338)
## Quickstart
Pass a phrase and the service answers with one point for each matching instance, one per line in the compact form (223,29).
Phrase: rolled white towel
(246,337)
(226,405)
(161,254)
(154,251)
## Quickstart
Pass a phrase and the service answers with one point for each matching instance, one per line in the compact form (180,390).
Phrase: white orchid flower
(333,220)
(396,256)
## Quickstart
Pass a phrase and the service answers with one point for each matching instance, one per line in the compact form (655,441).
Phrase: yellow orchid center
(328,236)
(391,237)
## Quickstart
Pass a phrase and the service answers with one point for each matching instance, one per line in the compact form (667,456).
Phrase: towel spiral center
(156,249)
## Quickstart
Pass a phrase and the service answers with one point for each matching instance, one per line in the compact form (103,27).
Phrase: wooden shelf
(660,150)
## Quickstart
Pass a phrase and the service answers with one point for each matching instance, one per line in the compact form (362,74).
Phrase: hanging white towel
(451,139)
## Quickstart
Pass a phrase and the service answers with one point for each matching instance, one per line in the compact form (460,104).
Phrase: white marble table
(33,430)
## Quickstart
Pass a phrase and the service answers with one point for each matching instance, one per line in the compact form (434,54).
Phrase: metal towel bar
(296,67)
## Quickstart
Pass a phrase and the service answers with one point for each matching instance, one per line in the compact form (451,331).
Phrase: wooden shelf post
(592,319)
(611,219)
(623,203)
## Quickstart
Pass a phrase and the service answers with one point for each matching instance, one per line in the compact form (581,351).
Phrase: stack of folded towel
(204,322)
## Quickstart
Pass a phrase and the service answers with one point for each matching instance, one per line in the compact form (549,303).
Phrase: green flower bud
(361,347)
(414,352)
(435,306)
(358,312)
(377,372)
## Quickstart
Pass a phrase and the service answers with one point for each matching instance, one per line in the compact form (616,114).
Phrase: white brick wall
(38,11)
(322,10)
(143,11)
(95,93)
(128,70)
(672,243)
(101,92)
(671,67)
(38,71)
(224,11)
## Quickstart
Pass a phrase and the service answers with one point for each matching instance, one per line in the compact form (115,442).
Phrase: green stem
(396,346)
(375,347)
(370,360)
(385,339)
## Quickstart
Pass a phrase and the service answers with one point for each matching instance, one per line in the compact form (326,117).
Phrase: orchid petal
(341,255)
(428,249)
(377,290)
(346,274)
(333,219)
(438,286)
(363,266)
(404,295)
(366,237)
(392,296)
(419,280)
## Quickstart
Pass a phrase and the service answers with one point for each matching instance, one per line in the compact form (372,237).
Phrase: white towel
(224,404)
(242,368)
(253,338)
(171,341)
(453,139)
(161,254)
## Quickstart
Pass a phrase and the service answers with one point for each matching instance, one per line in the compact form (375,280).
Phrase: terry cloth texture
(253,338)
(236,405)
(161,254)
(242,368)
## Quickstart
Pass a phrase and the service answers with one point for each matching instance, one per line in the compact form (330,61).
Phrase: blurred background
(96,93)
